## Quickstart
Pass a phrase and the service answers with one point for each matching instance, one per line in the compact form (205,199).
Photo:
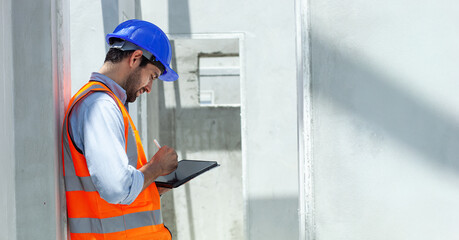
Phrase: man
(109,184)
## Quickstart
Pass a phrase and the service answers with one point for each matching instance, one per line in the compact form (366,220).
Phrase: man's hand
(162,163)
(166,160)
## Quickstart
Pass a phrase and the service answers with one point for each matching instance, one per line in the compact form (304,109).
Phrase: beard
(132,85)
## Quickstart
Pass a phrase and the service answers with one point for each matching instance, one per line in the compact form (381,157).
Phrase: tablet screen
(186,170)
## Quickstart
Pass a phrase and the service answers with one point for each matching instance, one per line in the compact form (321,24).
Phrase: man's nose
(149,85)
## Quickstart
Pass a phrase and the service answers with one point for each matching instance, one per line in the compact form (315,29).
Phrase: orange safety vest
(90,216)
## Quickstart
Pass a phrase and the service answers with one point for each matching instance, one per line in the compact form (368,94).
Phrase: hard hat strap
(128,46)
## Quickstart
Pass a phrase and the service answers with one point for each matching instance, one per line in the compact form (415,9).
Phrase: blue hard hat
(150,39)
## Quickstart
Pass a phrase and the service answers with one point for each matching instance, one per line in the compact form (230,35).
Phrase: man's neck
(116,72)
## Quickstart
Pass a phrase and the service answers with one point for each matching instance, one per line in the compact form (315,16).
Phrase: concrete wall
(7,169)
(33,123)
(385,119)
(88,26)
(385,125)
(33,63)
(268,120)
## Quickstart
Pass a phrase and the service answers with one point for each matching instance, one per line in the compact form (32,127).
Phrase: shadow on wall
(179,17)
(110,16)
(272,224)
(369,94)
(204,129)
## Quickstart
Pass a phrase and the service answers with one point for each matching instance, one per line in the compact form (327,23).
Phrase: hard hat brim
(169,75)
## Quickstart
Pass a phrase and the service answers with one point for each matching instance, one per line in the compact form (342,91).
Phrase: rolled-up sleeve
(100,132)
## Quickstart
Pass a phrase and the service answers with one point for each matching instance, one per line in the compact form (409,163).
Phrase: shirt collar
(116,89)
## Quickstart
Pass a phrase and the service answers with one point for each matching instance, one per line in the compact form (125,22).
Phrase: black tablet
(186,170)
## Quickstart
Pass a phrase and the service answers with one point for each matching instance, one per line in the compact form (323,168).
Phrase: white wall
(33,73)
(7,166)
(269,123)
(385,119)
(87,39)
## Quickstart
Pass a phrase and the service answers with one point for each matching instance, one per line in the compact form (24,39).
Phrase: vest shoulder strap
(94,86)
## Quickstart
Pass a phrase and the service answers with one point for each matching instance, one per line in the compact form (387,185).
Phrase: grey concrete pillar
(7,196)
(41,89)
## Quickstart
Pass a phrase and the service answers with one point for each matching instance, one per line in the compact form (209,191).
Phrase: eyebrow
(159,65)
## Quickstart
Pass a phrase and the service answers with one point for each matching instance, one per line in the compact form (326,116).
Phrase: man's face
(140,81)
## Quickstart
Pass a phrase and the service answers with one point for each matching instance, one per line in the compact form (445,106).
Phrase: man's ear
(136,58)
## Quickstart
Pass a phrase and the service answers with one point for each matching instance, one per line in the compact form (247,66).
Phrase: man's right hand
(166,160)
(162,163)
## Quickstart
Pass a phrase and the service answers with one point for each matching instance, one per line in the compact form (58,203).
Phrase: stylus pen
(157,143)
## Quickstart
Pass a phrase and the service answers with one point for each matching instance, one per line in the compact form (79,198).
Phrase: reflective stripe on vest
(115,224)
(91,217)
